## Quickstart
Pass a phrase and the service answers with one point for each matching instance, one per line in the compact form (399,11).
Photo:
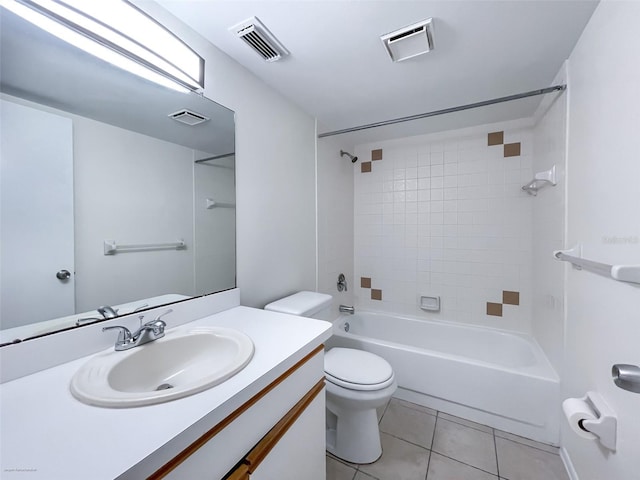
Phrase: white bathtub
(493,377)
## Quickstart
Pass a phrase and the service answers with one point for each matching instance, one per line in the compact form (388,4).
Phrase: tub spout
(347,309)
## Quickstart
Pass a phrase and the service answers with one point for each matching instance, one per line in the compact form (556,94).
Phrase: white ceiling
(339,71)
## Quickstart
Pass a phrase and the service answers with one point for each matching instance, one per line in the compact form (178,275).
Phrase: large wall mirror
(107,200)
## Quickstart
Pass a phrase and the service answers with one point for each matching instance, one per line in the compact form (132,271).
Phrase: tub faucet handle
(342,283)
(347,309)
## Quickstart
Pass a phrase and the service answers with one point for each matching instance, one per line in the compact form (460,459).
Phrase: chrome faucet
(87,320)
(148,332)
(107,312)
(347,309)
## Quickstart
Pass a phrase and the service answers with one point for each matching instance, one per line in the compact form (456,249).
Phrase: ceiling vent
(409,41)
(188,117)
(260,39)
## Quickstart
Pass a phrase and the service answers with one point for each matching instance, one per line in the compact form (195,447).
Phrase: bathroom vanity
(248,427)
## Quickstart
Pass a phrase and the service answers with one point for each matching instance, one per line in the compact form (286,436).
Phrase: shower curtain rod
(215,157)
(533,93)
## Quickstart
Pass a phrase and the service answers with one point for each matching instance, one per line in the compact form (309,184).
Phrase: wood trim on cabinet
(264,446)
(240,473)
(191,449)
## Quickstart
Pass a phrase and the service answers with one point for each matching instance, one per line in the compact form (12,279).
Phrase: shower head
(353,158)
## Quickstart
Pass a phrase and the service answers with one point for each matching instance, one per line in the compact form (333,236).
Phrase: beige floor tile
(414,406)
(364,476)
(521,462)
(339,471)
(466,445)
(527,441)
(464,421)
(414,426)
(443,468)
(400,461)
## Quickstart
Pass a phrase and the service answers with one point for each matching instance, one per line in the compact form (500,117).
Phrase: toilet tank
(304,304)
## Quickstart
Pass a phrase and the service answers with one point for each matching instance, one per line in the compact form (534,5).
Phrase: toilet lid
(356,369)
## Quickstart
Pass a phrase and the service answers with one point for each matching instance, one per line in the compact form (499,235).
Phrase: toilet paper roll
(576,410)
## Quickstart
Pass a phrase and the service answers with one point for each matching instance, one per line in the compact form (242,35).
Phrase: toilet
(357,383)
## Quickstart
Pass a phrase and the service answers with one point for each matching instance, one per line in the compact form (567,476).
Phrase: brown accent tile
(365,167)
(376,154)
(495,138)
(376,294)
(365,282)
(494,309)
(512,149)
(510,298)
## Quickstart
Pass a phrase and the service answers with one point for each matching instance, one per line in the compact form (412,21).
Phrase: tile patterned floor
(422,444)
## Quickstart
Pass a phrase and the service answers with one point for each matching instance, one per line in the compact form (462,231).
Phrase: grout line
(417,408)
(495,448)
(531,446)
(452,420)
(384,412)
(429,461)
(367,475)
(433,438)
(406,441)
(468,465)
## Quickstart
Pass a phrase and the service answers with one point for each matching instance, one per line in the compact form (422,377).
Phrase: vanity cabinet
(299,453)
(277,434)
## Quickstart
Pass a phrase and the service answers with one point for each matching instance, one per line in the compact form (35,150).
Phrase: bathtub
(493,377)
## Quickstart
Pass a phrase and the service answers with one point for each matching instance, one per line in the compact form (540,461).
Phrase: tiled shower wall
(444,215)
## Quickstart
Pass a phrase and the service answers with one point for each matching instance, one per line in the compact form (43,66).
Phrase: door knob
(63,275)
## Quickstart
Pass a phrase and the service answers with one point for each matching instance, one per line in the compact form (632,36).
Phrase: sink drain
(164,386)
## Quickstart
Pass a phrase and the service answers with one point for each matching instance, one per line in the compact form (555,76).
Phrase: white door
(36,215)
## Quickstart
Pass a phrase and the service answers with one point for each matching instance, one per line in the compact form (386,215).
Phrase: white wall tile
(449,223)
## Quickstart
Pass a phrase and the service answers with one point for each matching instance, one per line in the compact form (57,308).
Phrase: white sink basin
(179,364)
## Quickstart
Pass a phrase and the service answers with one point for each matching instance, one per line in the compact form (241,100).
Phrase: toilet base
(352,423)
(357,439)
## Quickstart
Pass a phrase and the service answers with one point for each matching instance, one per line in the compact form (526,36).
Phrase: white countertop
(45,433)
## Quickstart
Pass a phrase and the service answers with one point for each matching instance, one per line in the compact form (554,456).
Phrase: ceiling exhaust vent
(188,117)
(409,41)
(260,39)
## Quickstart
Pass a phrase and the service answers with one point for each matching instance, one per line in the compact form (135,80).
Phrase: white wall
(444,215)
(549,208)
(603,319)
(335,219)
(275,173)
(214,228)
(132,189)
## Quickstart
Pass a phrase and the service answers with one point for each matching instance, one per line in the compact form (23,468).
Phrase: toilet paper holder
(605,426)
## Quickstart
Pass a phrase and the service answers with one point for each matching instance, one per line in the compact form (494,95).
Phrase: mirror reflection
(117,194)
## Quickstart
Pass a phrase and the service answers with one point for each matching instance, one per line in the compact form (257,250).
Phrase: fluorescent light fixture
(120,34)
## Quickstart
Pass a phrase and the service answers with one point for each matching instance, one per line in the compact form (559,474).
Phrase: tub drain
(164,386)
(346,326)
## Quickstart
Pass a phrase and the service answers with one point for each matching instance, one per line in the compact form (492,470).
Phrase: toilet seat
(357,370)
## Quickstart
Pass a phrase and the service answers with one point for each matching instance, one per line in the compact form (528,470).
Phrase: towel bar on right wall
(621,273)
